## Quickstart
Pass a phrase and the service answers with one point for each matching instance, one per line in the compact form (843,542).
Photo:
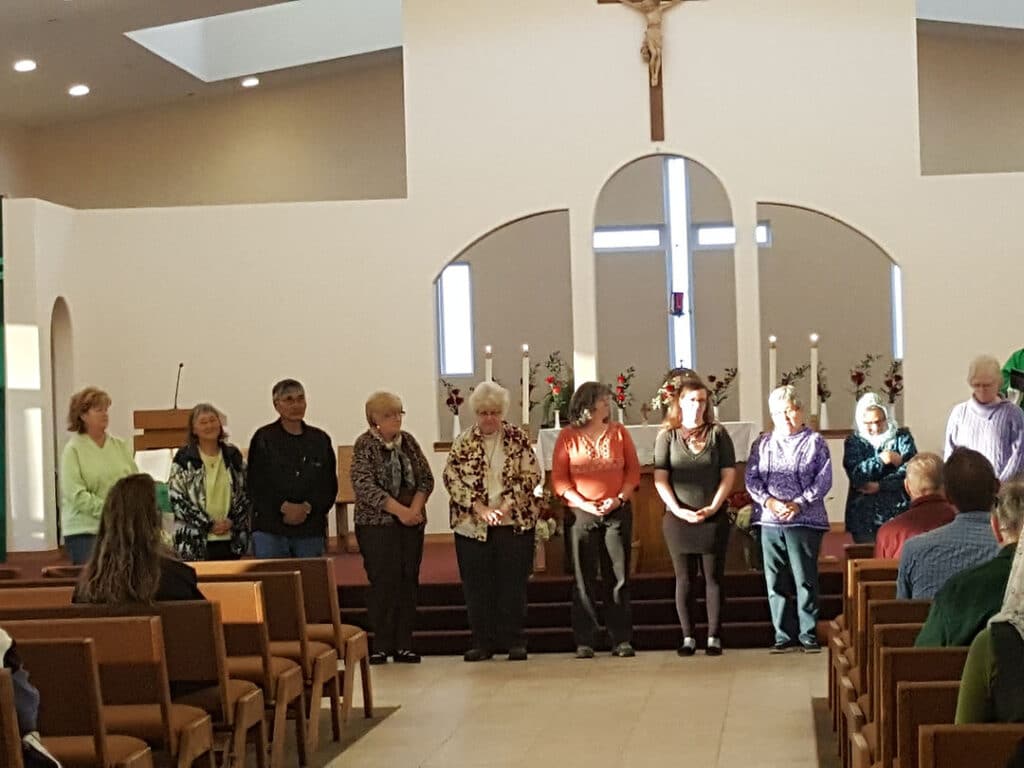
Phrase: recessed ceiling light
(25,65)
(78,90)
(250,82)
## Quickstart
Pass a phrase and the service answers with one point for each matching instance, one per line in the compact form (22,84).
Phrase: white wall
(512,110)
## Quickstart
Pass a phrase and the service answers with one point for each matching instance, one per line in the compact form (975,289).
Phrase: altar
(650,552)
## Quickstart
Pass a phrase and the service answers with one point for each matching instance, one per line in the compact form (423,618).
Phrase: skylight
(272,37)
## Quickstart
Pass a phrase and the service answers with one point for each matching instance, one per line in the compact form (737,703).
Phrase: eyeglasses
(393,415)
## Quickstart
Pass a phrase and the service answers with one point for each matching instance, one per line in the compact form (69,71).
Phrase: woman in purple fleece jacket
(788,474)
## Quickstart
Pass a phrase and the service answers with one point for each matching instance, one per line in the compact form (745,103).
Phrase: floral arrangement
(669,388)
(720,386)
(860,374)
(548,523)
(453,397)
(620,390)
(789,378)
(892,384)
(824,393)
(559,381)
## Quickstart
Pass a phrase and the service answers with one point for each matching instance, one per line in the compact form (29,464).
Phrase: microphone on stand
(177,385)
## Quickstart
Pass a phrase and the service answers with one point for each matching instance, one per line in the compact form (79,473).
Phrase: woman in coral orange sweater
(596,471)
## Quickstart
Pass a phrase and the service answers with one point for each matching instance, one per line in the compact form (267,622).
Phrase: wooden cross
(651,50)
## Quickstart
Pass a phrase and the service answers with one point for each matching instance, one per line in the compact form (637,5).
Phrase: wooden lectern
(161,429)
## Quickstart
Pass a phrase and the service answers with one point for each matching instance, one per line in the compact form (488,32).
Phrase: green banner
(3,402)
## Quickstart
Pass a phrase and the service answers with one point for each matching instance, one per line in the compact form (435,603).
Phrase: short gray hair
(984,364)
(1009,508)
(488,396)
(782,397)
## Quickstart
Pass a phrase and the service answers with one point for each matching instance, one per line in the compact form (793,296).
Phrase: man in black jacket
(292,479)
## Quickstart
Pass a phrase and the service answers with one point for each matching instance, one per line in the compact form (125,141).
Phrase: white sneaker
(35,754)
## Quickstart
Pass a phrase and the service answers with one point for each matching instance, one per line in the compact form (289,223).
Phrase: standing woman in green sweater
(90,465)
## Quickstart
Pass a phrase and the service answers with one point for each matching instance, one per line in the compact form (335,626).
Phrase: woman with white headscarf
(992,686)
(875,458)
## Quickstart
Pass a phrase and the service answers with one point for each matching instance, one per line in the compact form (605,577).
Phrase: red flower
(619,390)
(712,379)
(550,380)
(857,377)
(556,390)
(621,379)
(669,388)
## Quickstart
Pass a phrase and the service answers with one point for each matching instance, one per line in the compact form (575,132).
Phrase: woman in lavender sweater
(788,474)
(987,422)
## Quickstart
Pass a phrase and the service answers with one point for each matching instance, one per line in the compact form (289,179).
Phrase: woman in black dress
(694,469)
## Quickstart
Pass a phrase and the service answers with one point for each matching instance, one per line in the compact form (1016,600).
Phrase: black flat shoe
(686,649)
(517,653)
(378,657)
(406,657)
(477,654)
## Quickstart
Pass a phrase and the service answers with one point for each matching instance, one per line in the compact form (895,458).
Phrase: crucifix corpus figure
(653,11)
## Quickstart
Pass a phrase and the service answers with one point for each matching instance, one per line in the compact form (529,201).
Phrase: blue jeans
(269,545)
(79,547)
(791,559)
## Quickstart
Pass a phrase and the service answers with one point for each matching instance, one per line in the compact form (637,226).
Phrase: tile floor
(746,709)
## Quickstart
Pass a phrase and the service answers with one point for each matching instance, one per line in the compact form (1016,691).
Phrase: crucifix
(651,51)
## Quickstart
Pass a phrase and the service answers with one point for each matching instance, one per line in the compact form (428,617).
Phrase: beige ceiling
(83,41)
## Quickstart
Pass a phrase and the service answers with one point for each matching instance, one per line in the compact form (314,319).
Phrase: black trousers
(391,558)
(494,578)
(220,550)
(605,542)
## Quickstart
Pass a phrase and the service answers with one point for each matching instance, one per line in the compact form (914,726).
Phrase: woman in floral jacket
(207,491)
(491,475)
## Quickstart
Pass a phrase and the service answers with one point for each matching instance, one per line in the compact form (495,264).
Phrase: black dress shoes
(477,654)
(406,657)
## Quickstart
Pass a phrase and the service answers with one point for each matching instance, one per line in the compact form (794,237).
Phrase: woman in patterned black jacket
(207,490)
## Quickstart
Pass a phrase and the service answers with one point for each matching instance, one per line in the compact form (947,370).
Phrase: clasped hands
(782,510)
(601,508)
(412,515)
(294,513)
(491,515)
(220,528)
(693,515)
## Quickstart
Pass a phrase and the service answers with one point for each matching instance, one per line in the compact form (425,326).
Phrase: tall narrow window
(897,312)
(682,333)
(455,317)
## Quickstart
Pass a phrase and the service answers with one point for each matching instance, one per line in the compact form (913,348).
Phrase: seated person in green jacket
(1014,363)
(992,686)
(968,600)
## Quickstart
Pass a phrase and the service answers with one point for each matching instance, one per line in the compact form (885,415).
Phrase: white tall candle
(773,363)
(488,364)
(814,374)
(526,385)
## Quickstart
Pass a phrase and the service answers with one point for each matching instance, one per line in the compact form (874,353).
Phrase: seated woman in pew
(207,490)
(875,459)
(992,686)
(130,563)
(26,705)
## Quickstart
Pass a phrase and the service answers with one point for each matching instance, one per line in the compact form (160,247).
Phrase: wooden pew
(134,684)
(852,682)
(863,728)
(898,665)
(840,632)
(196,660)
(289,639)
(346,539)
(881,613)
(917,704)
(9,572)
(10,737)
(987,745)
(248,646)
(323,617)
(35,597)
(62,571)
(73,727)
(33,583)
